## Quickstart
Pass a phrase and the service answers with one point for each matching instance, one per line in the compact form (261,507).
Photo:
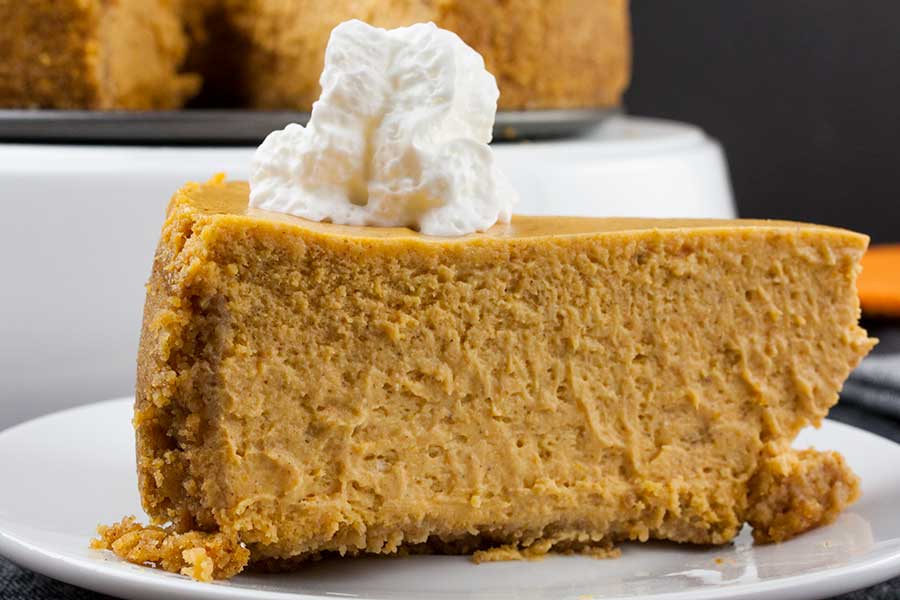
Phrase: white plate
(62,474)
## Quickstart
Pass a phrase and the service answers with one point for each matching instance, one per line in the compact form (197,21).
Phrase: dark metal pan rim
(201,126)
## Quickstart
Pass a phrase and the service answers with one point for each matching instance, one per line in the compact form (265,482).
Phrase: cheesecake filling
(398,138)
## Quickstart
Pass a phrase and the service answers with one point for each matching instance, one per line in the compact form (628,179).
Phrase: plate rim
(94,575)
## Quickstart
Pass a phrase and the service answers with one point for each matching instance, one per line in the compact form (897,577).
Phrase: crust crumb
(796,491)
(541,548)
(203,556)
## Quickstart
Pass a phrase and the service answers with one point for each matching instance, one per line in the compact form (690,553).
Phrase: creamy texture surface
(398,138)
(305,390)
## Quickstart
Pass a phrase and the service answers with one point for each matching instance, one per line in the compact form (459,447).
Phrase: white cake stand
(81,224)
(628,167)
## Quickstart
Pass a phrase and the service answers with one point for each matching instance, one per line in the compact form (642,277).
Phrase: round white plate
(62,474)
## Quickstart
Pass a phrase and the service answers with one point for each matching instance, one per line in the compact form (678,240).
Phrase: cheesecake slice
(553,383)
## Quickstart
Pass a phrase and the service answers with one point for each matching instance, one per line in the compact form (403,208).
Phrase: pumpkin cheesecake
(545,55)
(551,383)
(267,54)
(93,54)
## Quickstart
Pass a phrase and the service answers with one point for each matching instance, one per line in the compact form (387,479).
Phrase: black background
(803,94)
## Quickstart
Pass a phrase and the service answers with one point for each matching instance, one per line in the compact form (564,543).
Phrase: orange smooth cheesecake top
(220,197)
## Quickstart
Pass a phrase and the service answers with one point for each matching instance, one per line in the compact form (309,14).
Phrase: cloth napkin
(875,384)
(20,584)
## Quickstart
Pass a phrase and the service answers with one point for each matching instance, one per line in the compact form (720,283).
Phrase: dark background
(803,94)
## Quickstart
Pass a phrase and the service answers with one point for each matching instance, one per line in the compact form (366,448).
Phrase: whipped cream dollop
(398,138)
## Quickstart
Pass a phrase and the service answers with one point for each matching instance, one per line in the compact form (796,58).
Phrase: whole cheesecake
(153,54)
(559,54)
(94,54)
(552,383)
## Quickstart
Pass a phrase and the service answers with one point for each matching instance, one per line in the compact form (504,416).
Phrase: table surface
(18,583)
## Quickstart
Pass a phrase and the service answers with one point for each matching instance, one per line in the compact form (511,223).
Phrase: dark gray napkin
(875,384)
(21,584)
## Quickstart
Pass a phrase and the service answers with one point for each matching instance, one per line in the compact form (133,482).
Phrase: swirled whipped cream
(398,138)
